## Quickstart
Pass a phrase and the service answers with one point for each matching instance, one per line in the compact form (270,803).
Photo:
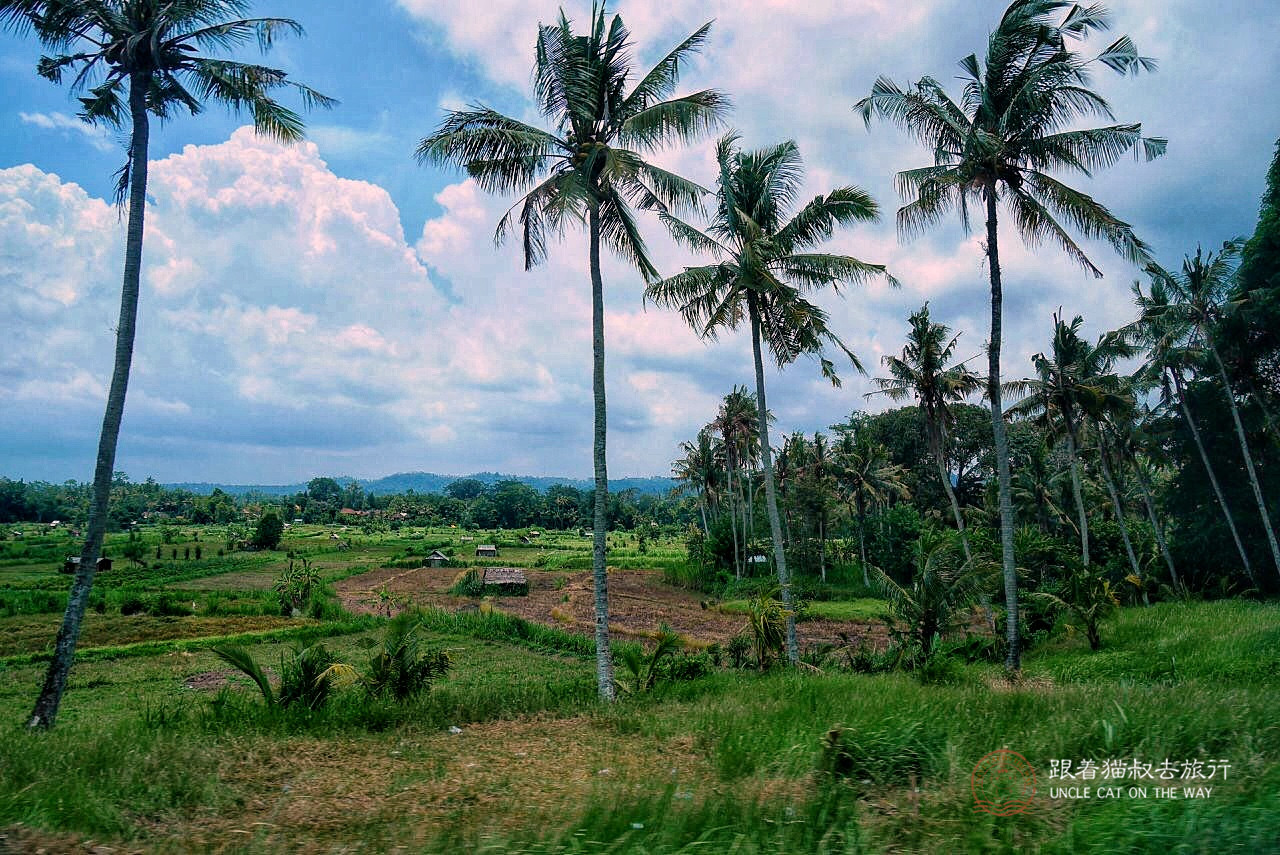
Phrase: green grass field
(160,747)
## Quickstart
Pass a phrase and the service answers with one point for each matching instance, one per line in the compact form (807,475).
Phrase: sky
(335,308)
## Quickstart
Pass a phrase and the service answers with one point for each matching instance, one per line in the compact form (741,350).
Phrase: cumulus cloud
(290,326)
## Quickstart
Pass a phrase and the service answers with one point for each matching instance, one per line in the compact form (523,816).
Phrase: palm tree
(1132,443)
(924,373)
(1074,385)
(764,268)
(1035,488)
(736,423)
(867,478)
(138,58)
(1167,358)
(1010,128)
(590,168)
(699,470)
(1196,305)
(818,470)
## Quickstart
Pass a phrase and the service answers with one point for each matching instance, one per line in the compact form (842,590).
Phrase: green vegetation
(1177,680)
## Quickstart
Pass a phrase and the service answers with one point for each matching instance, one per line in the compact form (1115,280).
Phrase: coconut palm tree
(867,478)
(1074,385)
(1011,128)
(736,423)
(763,270)
(699,470)
(591,168)
(137,59)
(818,470)
(1198,295)
(1133,445)
(1168,357)
(924,372)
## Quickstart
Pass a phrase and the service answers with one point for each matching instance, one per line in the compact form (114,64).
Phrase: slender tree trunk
(939,454)
(862,543)
(1118,506)
(1013,661)
(770,490)
(706,529)
(599,565)
(1248,458)
(1213,478)
(1077,491)
(733,514)
(45,712)
(822,545)
(1156,525)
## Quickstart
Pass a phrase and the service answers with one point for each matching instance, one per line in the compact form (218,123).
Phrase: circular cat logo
(1004,783)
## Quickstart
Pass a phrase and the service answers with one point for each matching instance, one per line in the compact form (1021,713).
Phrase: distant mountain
(429,482)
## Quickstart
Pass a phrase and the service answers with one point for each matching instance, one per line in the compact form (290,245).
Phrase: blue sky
(335,308)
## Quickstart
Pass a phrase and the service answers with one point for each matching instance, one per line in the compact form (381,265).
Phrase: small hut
(72,564)
(526,540)
(505,582)
(486,550)
(437,559)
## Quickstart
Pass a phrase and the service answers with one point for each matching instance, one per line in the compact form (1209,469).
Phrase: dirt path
(638,603)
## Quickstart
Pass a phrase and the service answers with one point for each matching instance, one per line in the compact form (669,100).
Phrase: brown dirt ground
(638,603)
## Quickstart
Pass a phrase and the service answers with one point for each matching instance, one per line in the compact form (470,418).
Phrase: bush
(469,584)
(941,587)
(166,605)
(269,531)
(402,668)
(132,604)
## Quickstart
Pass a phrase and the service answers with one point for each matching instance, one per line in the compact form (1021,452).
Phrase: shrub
(767,619)
(402,668)
(1090,598)
(166,605)
(941,588)
(269,531)
(306,675)
(643,666)
(469,584)
(132,604)
(294,586)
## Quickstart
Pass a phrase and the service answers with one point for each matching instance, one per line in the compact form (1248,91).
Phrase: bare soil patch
(638,603)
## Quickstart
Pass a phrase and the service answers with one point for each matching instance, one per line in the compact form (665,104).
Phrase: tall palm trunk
(1248,458)
(1117,505)
(1213,478)
(822,544)
(599,567)
(733,514)
(1156,526)
(55,681)
(770,490)
(1077,491)
(1013,661)
(935,440)
(862,541)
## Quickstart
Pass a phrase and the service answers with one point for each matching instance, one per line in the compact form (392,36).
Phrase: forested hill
(429,482)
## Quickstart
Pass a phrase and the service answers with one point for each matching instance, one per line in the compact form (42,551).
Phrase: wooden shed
(437,559)
(72,564)
(486,550)
(505,581)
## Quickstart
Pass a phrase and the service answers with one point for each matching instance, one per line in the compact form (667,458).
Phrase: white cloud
(97,136)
